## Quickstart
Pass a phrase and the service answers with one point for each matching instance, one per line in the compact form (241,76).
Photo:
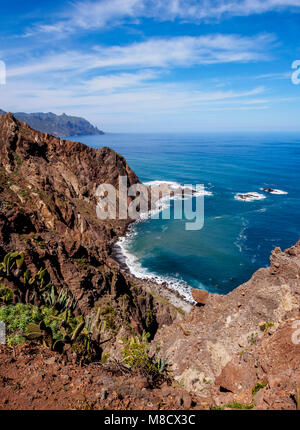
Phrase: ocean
(238,235)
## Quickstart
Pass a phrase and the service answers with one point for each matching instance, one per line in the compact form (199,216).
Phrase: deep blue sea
(237,236)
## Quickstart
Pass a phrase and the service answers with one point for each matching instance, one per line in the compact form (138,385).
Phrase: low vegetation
(19,285)
(137,356)
(233,405)
(56,331)
(17,319)
(33,310)
(258,386)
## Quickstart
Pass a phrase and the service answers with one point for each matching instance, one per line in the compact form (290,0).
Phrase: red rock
(274,381)
(186,400)
(259,397)
(244,397)
(200,296)
(236,377)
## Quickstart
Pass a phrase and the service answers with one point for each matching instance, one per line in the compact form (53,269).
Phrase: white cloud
(183,51)
(112,82)
(273,76)
(194,9)
(100,13)
(88,15)
(148,105)
(158,53)
(148,98)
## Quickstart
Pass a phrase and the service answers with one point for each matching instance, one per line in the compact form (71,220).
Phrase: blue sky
(154,65)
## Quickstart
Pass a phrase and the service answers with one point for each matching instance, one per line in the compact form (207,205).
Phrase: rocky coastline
(57,125)
(229,350)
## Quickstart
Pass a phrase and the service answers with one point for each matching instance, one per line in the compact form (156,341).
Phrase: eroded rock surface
(231,325)
(48,211)
(240,348)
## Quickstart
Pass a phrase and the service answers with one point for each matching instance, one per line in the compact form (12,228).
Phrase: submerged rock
(249,197)
(268,190)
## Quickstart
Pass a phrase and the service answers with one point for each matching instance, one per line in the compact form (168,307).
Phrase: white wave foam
(203,193)
(274,191)
(172,184)
(176,185)
(160,206)
(262,210)
(279,192)
(135,267)
(242,237)
(132,262)
(164,202)
(249,197)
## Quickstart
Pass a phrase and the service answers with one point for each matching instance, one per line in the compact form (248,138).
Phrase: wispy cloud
(187,51)
(88,15)
(124,77)
(273,76)
(109,82)
(194,9)
(119,81)
(155,97)
(154,53)
(135,100)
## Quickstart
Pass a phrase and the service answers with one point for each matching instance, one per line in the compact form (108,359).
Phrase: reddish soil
(33,378)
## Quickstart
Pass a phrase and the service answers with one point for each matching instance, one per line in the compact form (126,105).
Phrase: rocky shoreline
(48,212)
(172,296)
(230,350)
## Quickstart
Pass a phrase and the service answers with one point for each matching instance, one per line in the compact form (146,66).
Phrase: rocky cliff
(232,351)
(57,125)
(48,212)
(235,342)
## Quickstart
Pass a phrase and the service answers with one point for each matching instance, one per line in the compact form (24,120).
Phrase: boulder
(237,376)
(200,296)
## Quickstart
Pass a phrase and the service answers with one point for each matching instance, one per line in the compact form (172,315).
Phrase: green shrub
(136,352)
(82,263)
(237,405)
(18,317)
(265,326)
(53,319)
(252,338)
(6,295)
(136,355)
(258,386)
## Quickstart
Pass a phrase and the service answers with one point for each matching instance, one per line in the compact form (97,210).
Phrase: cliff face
(48,211)
(224,348)
(58,125)
(219,351)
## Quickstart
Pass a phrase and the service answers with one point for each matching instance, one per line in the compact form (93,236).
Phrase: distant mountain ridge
(57,125)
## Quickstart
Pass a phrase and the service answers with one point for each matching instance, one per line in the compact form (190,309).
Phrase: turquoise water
(237,236)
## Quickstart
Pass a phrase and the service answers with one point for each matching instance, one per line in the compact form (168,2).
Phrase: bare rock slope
(239,349)
(250,320)
(48,211)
